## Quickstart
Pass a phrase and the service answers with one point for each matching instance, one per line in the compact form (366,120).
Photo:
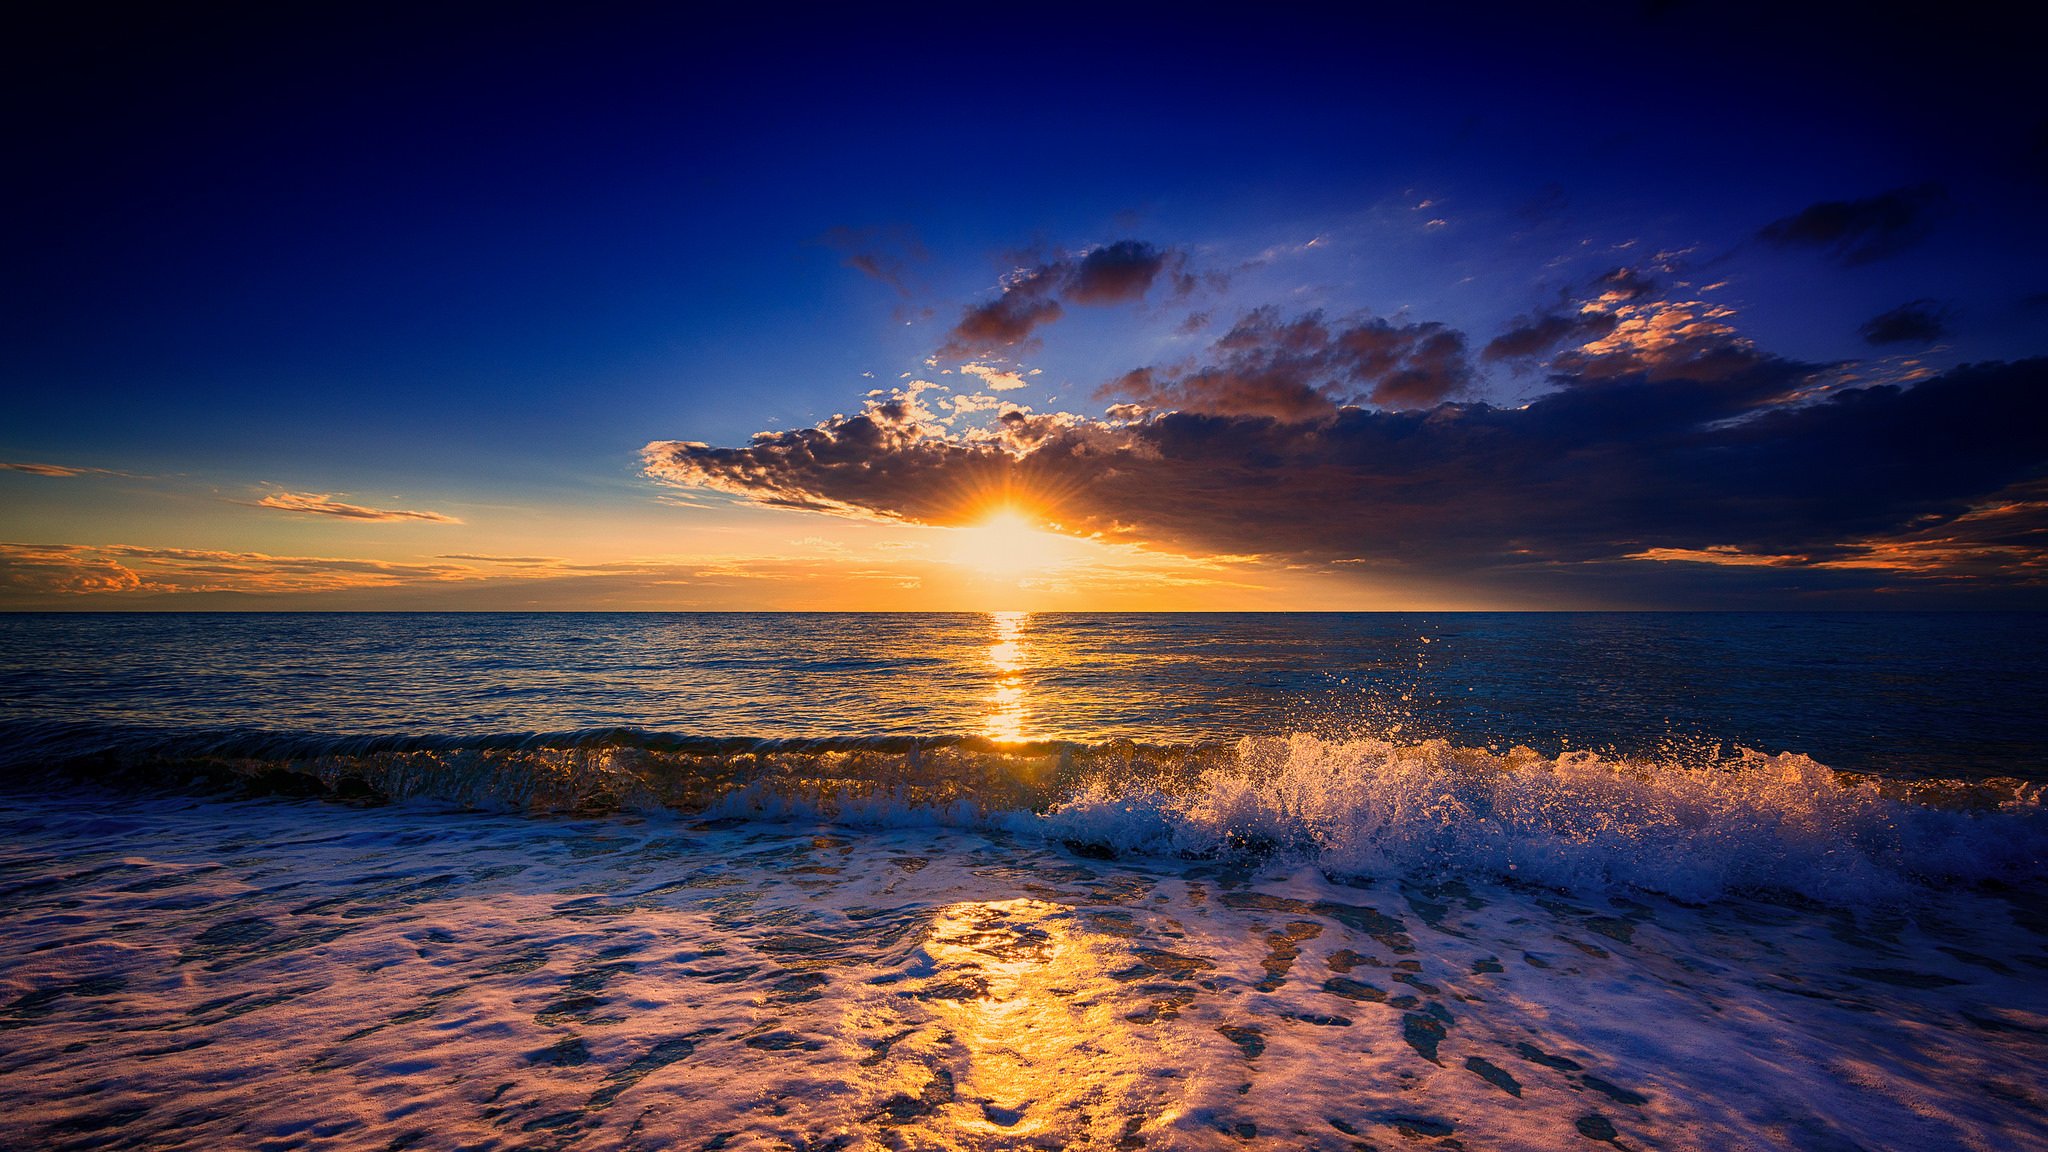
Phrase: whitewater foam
(196,973)
(1690,825)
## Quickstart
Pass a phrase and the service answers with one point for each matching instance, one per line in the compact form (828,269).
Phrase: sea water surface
(1034,881)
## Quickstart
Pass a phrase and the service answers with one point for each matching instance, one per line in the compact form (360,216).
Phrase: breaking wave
(1690,825)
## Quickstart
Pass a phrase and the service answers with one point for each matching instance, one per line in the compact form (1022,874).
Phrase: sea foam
(1691,824)
(1575,821)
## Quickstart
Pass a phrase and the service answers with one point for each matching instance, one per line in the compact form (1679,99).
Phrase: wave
(1691,824)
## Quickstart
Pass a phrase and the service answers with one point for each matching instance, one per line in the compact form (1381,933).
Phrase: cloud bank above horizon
(1658,437)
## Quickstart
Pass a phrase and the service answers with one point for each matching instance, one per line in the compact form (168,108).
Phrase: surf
(1692,824)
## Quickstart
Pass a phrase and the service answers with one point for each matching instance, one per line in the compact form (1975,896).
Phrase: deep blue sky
(470,261)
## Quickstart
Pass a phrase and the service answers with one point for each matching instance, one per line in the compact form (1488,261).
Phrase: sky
(515,307)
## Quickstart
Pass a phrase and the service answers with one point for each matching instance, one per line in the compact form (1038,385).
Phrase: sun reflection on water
(1007,656)
(1033,1013)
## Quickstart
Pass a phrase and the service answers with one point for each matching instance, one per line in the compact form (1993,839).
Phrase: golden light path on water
(1038,1020)
(1037,1006)
(1007,656)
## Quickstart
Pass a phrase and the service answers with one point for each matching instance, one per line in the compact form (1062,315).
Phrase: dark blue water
(1897,694)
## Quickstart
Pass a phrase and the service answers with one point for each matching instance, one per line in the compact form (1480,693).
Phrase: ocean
(811,881)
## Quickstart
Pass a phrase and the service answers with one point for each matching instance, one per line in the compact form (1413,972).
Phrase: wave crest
(1690,825)
(1579,821)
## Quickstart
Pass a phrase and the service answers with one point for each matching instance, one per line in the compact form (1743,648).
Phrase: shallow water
(204,974)
(796,882)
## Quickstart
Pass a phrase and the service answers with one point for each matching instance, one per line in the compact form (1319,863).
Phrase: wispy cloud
(511,561)
(83,568)
(327,505)
(811,573)
(1854,232)
(55,470)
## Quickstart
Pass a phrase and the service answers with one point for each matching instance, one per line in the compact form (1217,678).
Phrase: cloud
(1663,340)
(996,379)
(55,470)
(1004,323)
(1853,232)
(968,403)
(1914,322)
(62,570)
(512,561)
(1305,368)
(1032,297)
(882,253)
(78,569)
(1113,274)
(1589,316)
(324,505)
(2004,538)
(59,574)
(1618,324)
(1624,285)
(1534,337)
(808,573)
(1629,474)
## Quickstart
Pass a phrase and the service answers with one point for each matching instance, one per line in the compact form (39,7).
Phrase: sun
(1005,544)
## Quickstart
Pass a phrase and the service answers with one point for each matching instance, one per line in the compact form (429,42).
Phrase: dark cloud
(1306,367)
(1854,232)
(1000,325)
(1624,284)
(1627,474)
(1116,273)
(1533,337)
(1914,322)
(1113,274)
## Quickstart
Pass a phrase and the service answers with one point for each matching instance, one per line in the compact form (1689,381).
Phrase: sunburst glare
(1007,545)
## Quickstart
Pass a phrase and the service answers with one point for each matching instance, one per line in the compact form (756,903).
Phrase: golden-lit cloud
(937,569)
(82,568)
(2006,540)
(327,505)
(967,404)
(994,378)
(512,561)
(55,470)
(1723,554)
